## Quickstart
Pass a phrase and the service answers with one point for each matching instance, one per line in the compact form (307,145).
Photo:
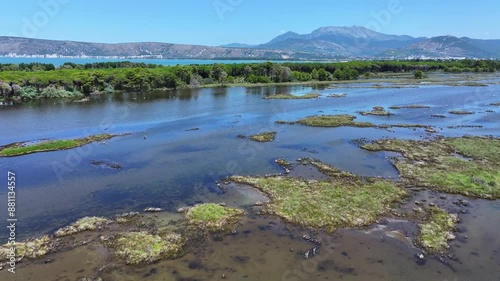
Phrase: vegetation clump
(437,230)
(411,106)
(333,121)
(377,111)
(346,201)
(329,170)
(461,112)
(106,77)
(264,137)
(30,249)
(422,126)
(478,148)
(83,224)
(213,217)
(435,164)
(282,162)
(292,97)
(52,145)
(419,74)
(144,248)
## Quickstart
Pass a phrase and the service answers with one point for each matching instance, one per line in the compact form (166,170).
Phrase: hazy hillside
(332,42)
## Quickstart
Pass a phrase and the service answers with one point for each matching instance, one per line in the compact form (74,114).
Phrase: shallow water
(167,165)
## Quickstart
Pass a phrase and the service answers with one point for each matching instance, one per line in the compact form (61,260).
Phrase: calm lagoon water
(165,164)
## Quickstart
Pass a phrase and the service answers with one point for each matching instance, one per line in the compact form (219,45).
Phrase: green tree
(338,74)
(223,78)
(247,70)
(323,75)
(314,74)
(419,74)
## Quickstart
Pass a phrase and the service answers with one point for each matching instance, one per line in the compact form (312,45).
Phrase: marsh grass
(376,111)
(144,248)
(52,145)
(292,97)
(411,106)
(333,121)
(264,137)
(213,217)
(330,170)
(341,202)
(478,148)
(346,120)
(30,249)
(433,164)
(437,230)
(83,224)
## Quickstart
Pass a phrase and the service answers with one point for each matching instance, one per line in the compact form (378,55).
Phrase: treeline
(34,79)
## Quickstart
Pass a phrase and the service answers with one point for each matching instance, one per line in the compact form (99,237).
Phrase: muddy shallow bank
(277,251)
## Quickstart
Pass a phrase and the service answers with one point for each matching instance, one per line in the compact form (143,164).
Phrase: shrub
(28,93)
(52,92)
(419,74)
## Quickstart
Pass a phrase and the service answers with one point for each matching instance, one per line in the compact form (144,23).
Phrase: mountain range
(332,42)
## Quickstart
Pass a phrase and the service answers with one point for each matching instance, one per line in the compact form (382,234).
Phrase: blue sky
(215,22)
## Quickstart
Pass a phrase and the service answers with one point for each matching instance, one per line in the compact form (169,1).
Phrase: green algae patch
(30,249)
(213,217)
(342,120)
(376,111)
(264,137)
(143,248)
(52,145)
(340,202)
(435,164)
(292,97)
(411,106)
(437,230)
(83,224)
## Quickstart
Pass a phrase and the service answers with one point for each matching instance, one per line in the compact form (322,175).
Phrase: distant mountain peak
(445,46)
(328,42)
(340,40)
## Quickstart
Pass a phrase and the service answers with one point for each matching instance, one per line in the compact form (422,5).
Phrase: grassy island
(19,149)
(435,164)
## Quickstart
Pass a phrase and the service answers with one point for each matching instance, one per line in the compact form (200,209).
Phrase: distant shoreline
(83,60)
